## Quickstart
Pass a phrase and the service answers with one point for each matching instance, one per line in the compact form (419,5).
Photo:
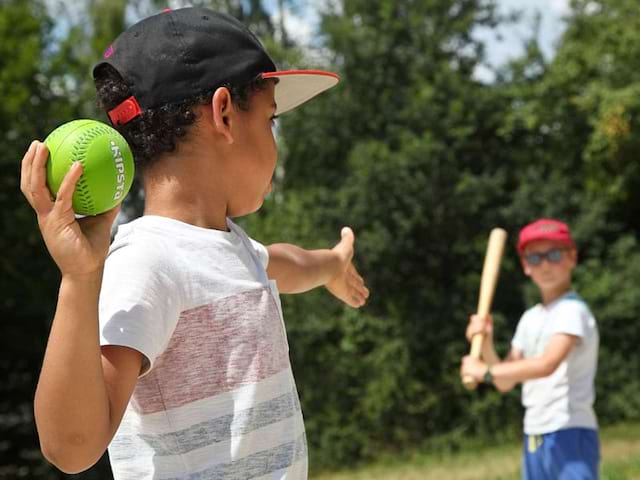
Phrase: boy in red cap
(171,350)
(554,354)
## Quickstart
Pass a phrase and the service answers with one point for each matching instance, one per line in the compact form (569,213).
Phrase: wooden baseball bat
(490,270)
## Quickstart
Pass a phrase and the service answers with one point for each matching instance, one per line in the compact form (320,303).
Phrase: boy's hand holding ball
(107,164)
(83,167)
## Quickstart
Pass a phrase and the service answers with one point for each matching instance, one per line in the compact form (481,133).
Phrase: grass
(620,461)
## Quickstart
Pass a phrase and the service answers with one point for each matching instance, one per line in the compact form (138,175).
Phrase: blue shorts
(571,454)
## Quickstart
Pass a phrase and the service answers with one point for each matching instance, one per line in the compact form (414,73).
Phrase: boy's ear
(525,267)
(222,109)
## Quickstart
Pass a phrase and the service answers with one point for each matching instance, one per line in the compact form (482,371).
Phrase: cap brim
(295,87)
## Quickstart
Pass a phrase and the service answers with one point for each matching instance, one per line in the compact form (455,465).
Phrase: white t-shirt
(565,398)
(216,398)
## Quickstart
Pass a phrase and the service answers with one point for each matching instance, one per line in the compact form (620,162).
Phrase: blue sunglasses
(553,256)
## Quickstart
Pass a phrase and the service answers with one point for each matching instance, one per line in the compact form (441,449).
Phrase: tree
(582,110)
(407,152)
(29,103)
(422,160)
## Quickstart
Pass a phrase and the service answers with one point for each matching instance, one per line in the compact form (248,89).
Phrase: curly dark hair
(158,130)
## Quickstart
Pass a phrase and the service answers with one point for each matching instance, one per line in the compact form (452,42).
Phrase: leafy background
(416,154)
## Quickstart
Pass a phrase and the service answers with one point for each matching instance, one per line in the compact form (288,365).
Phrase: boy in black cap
(172,350)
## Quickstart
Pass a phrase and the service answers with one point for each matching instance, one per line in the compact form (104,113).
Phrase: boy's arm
(489,354)
(484,326)
(79,402)
(517,369)
(297,270)
(82,391)
(505,385)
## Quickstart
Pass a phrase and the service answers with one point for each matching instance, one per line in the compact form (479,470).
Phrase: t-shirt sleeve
(139,301)
(261,251)
(571,318)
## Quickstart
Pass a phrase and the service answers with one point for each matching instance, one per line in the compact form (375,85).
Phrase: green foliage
(602,280)
(422,161)
(28,282)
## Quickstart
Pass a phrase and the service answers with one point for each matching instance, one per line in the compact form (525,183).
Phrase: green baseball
(107,164)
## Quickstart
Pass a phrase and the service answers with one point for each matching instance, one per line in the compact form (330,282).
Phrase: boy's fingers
(346,242)
(353,273)
(363,295)
(104,220)
(347,232)
(355,283)
(113,213)
(355,299)
(40,194)
(25,169)
(64,198)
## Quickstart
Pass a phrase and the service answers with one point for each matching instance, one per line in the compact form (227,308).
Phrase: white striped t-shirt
(216,398)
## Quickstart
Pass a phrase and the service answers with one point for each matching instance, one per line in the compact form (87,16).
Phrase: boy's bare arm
(505,385)
(537,367)
(489,353)
(516,369)
(82,391)
(78,403)
(489,356)
(484,326)
(297,270)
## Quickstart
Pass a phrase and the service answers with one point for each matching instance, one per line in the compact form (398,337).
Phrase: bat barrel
(489,279)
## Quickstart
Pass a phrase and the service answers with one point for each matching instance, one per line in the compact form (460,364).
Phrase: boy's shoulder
(569,304)
(532,312)
(155,230)
(161,243)
(568,300)
(141,234)
(572,303)
(139,246)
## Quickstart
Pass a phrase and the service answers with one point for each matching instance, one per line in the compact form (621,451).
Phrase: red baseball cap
(545,229)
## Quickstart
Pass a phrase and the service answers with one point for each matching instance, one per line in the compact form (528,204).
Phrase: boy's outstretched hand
(347,285)
(297,270)
(78,247)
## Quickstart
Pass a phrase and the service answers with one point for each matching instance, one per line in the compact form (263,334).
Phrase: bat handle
(468,381)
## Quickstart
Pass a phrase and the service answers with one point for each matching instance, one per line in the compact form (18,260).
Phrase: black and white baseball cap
(178,54)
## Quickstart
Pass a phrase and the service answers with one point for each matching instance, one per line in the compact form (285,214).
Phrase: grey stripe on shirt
(217,430)
(256,465)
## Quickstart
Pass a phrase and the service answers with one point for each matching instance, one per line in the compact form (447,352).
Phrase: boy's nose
(544,264)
